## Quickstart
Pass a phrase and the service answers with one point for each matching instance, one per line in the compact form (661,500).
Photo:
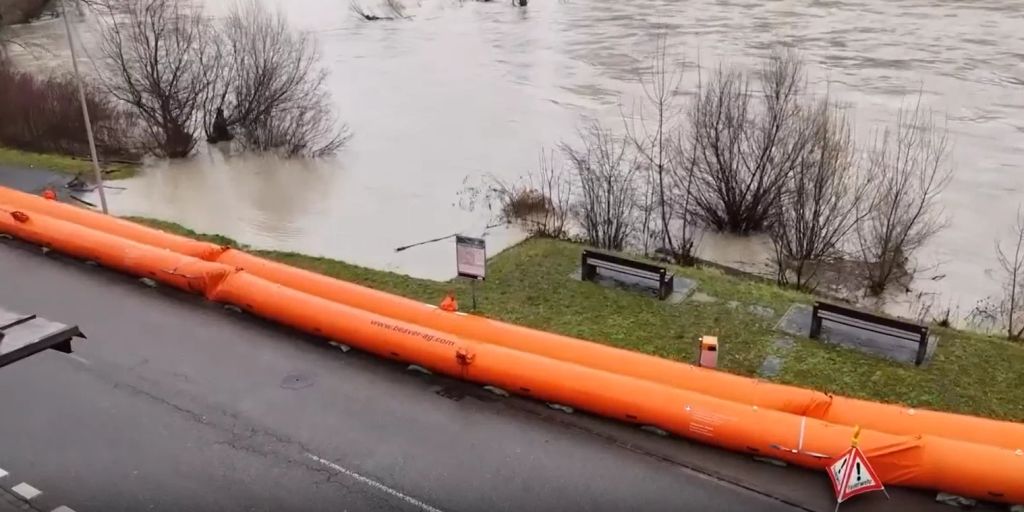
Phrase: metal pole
(474,294)
(85,111)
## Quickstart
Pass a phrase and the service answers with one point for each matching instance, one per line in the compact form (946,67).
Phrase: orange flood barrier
(837,409)
(964,468)
(107,224)
(572,372)
(177,270)
(929,462)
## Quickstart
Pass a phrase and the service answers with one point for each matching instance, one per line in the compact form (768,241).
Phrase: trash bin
(708,352)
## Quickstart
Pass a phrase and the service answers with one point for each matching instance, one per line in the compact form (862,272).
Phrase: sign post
(851,475)
(471,260)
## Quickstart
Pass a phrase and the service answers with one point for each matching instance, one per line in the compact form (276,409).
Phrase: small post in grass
(471,260)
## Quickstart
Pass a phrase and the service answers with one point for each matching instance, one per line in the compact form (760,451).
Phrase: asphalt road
(177,404)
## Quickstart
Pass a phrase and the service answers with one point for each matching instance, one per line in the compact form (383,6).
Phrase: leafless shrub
(655,140)
(742,151)
(160,60)
(45,115)
(271,87)
(907,170)
(820,199)
(1012,263)
(13,12)
(542,201)
(394,7)
(607,174)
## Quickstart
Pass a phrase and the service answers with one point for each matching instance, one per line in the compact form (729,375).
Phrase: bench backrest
(626,262)
(864,316)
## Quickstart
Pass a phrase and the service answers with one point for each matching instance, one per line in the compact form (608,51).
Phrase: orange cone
(449,303)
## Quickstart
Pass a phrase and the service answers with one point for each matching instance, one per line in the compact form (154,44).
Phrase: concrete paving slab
(797,322)
(681,289)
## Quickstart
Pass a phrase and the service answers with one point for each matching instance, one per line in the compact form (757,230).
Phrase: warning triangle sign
(860,478)
(851,475)
(836,471)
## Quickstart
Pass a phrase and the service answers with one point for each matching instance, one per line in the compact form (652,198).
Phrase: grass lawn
(529,284)
(63,163)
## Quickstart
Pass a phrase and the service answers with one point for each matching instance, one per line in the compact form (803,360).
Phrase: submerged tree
(743,150)
(1011,261)
(271,86)
(908,171)
(161,59)
(654,132)
(820,199)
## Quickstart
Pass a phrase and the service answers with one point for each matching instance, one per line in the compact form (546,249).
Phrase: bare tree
(655,141)
(271,88)
(160,59)
(908,171)
(606,172)
(741,153)
(820,199)
(1012,263)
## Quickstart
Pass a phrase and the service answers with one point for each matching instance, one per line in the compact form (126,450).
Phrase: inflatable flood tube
(171,268)
(967,469)
(837,409)
(923,462)
(108,224)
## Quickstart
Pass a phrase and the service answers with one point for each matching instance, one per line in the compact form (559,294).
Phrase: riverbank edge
(529,284)
(65,164)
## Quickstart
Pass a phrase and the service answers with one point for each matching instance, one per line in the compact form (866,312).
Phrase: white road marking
(26,491)
(2,473)
(62,508)
(80,359)
(373,483)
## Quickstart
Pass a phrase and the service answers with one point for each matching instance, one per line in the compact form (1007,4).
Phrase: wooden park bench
(858,319)
(593,260)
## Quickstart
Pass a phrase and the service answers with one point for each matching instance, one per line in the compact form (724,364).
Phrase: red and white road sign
(851,475)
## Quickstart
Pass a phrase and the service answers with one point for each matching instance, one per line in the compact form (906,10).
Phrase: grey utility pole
(85,110)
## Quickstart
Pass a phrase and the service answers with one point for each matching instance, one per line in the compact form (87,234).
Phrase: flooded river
(466,89)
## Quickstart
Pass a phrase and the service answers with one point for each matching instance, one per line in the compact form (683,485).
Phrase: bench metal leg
(665,288)
(588,271)
(922,350)
(815,324)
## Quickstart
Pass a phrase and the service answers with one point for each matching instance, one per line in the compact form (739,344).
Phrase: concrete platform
(797,322)
(681,286)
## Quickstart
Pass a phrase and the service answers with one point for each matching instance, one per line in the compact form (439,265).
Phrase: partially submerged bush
(607,172)
(746,142)
(542,202)
(175,67)
(907,168)
(271,86)
(524,204)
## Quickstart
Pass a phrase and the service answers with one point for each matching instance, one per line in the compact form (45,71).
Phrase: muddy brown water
(466,89)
